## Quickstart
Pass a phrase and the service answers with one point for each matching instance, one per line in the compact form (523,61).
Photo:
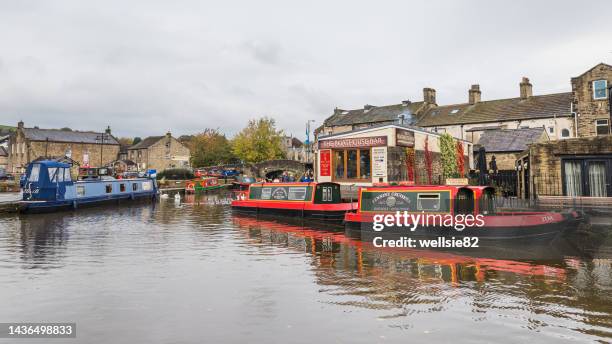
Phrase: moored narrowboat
(49,186)
(315,201)
(203,184)
(242,182)
(451,211)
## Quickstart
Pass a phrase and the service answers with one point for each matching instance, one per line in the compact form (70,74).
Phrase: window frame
(597,125)
(605,88)
(569,134)
(345,165)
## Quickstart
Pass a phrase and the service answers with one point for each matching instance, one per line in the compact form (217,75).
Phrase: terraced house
(579,118)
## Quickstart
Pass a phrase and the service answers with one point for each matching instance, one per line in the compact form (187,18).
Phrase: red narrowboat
(450,211)
(316,201)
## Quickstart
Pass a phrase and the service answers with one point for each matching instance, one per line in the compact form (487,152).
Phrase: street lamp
(102,138)
(308,139)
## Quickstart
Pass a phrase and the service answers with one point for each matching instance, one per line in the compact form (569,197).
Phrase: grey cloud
(145,67)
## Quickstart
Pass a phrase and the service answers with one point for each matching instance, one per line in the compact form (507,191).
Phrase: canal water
(192,272)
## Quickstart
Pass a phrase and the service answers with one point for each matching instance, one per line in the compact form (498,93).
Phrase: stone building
(507,145)
(582,166)
(466,121)
(84,147)
(3,158)
(159,153)
(295,149)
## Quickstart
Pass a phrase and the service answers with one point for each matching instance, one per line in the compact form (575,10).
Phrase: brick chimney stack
(168,135)
(20,124)
(429,95)
(526,88)
(108,130)
(474,94)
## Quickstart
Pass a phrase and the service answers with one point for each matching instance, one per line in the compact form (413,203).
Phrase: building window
(551,130)
(600,89)
(602,127)
(352,164)
(587,177)
(565,133)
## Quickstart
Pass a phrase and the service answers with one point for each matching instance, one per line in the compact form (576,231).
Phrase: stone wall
(505,161)
(25,151)
(545,160)
(168,152)
(587,108)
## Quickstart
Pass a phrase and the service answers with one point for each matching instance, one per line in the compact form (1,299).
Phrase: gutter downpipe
(575,119)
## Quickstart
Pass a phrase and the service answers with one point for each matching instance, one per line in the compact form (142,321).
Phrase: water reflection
(406,282)
(210,275)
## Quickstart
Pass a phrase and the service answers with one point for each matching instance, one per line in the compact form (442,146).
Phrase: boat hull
(525,228)
(59,205)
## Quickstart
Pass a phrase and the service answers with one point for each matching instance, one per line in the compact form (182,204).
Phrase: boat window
(327,194)
(60,175)
(109,188)
(146,186)
(429,202)
(34,173)
(80,190)
(67,176)
(52,174)
(464,202)
(135,187)
(122,187)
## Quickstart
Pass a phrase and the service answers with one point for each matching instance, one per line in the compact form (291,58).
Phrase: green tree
(259,141)
(210,147)
(449,158)
(136,140)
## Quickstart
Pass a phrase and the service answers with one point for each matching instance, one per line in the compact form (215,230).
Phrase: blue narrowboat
(49,186)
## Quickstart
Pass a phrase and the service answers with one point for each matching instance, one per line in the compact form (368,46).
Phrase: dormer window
(600,89)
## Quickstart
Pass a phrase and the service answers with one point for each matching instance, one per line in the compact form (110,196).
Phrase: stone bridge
(270,168)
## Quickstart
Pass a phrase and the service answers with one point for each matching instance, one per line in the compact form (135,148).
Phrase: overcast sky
(145,67)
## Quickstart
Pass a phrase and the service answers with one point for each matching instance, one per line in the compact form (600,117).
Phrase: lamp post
(308,139)
(102,138)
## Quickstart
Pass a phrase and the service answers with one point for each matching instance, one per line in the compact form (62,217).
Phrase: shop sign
(404,138)
(325,163)
(357,142)
(379,162)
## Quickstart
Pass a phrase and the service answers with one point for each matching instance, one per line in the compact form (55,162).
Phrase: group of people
(287,177)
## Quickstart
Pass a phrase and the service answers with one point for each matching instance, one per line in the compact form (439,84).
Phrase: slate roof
(510,140)
(57,135)
(543,106)
(147,142)
(374,114)
(3,151)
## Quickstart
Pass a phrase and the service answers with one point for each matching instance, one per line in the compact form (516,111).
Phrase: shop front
(389,153)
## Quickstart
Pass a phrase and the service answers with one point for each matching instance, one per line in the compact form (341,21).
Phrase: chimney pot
(526,88)
(474,94)
(429,95)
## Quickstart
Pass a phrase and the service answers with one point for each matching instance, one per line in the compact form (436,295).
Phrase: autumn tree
(210,147)
(125,141)
(259,141)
